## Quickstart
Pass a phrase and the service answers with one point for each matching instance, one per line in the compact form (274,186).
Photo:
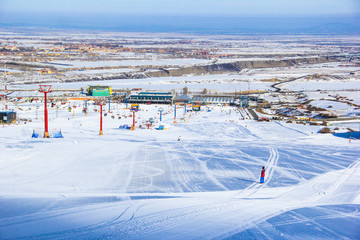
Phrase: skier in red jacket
(262,175)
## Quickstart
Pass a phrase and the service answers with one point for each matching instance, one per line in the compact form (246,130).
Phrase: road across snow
(145,184)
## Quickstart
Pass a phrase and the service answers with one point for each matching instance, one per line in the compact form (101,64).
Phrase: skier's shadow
(246,180)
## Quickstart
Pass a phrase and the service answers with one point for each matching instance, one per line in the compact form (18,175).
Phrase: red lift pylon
(45,89)
(101,104)
(133,126)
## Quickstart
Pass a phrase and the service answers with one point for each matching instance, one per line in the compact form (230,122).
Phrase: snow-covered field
(153,60)
(144,184)
(336,108)
(323,85)
(212,82)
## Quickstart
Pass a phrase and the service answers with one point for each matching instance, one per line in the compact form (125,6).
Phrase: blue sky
(233,8)
(200,16)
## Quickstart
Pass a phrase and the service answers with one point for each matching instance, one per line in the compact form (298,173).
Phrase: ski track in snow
(270,167)
(298,131)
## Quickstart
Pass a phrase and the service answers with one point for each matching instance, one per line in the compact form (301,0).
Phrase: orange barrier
(79,99)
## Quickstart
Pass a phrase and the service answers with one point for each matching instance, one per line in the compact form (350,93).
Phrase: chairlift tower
(101,104)
(175,114)
(160,111)
(86,107)
(133,126)
(45,89)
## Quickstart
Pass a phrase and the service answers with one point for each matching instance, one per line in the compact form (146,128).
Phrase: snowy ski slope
(144,184)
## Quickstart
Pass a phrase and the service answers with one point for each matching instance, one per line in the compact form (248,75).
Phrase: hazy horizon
(211,16)
(188,24)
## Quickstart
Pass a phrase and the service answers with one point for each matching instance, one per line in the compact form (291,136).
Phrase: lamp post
(6,106)
(184,110)
(109,104)
(45,89)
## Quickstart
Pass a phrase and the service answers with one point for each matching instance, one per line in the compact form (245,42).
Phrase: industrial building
(7,117)
(213,99)
(242,101)
(184,98)
(151,97)
(99,90)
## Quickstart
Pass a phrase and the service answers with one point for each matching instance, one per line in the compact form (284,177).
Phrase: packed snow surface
(145,184)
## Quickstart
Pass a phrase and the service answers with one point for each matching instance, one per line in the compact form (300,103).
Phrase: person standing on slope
(262,175)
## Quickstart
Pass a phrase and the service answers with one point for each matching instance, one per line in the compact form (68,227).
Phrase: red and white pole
(134,119)
(101,121)
(46,133)
(133,126)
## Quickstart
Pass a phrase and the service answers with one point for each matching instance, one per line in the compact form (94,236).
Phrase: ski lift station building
(99,90)
(151,97)
(7,117)
(213,99)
